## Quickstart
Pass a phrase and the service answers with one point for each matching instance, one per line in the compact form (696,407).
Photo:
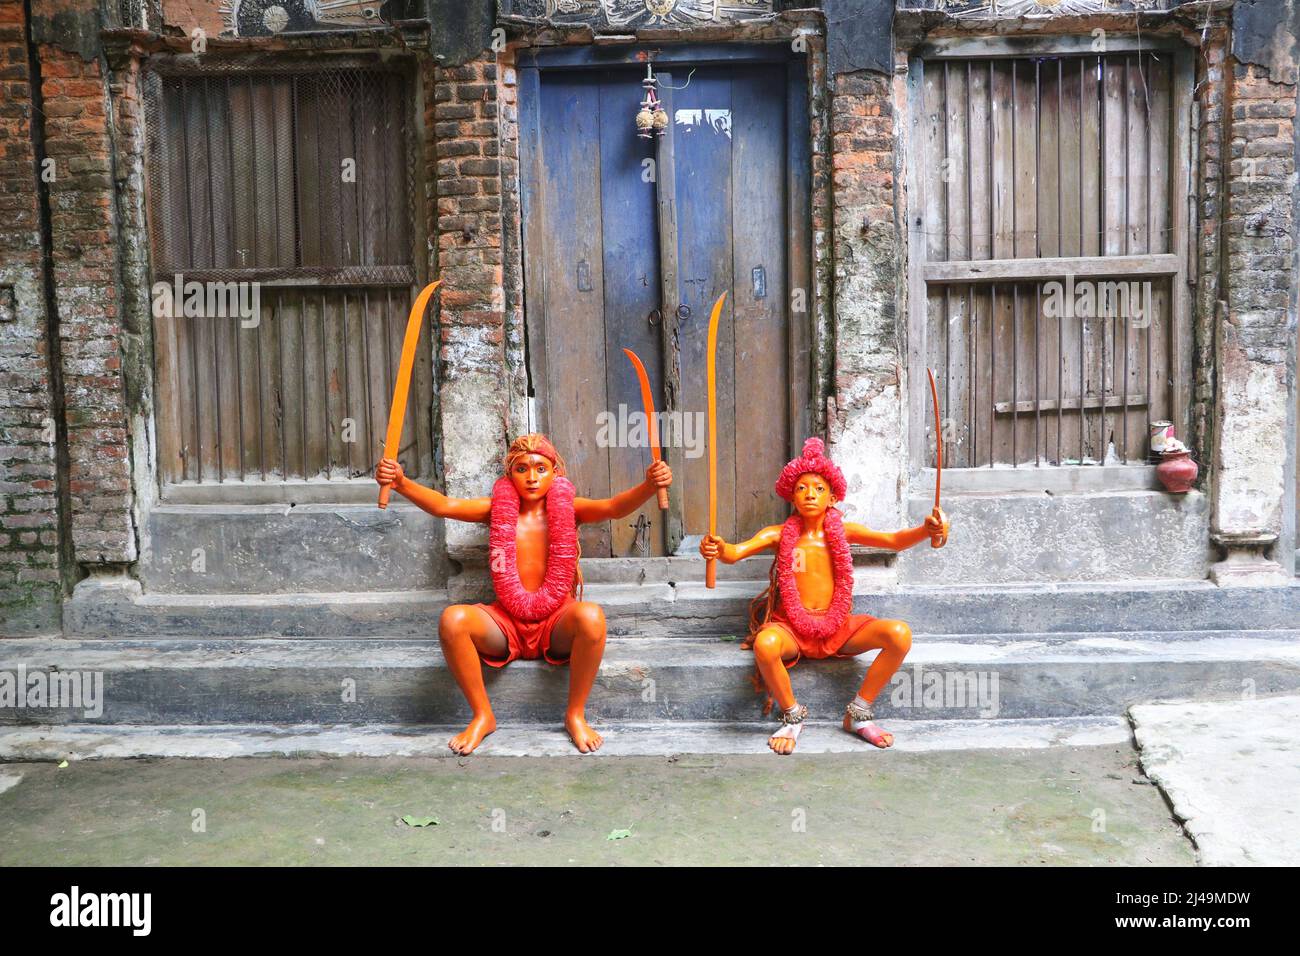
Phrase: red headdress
(812,461)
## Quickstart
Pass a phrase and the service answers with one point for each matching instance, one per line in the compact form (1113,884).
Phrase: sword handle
(939,540)
(383,495)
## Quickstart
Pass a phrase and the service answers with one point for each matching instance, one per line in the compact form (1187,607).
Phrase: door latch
(641,539)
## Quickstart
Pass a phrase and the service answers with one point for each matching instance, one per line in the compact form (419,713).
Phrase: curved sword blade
(647,402)
(652,424)
(938,460)
(710,567)
(938,437)
(402,384)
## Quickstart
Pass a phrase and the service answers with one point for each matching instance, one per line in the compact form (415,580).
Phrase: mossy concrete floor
(1062,805)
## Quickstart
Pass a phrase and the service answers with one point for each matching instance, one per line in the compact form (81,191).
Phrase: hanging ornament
(651,119)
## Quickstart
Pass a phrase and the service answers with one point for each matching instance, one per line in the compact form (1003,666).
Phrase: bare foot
(580,732)
(465,741)
(783,740)
(869,732)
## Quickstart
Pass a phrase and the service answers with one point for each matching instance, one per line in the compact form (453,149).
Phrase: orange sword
(647,400)
(402,387)
(942,538)
(711,564)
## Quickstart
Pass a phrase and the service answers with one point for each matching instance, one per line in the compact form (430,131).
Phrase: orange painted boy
(532,514)
(807,609)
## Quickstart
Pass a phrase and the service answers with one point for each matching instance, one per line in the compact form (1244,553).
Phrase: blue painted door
(627,242)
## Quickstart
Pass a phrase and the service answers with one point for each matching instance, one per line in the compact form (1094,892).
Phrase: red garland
(819,626)
(561,554)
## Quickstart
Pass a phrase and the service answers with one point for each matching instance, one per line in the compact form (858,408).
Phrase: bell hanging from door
(652,119)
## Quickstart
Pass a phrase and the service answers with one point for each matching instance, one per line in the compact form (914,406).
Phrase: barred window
(1049,241)
(302,174)
(298,184)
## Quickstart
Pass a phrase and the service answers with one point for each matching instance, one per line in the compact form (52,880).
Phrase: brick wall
(1208,177)
(867,421)
(468,223)
(1254,397)
(29,534)
(467,232)
(78,174)
(85,276)
(1259,231)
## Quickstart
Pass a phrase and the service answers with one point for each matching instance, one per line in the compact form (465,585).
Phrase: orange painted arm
(592,510)
(712,546)
(895,540)
(476,510)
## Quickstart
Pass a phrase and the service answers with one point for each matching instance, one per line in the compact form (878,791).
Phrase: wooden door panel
(574,297)
(632,298)
(760,297)
(704,254)
(246,186)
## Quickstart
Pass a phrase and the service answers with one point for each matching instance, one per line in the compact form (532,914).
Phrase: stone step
(622,739)
(287,546)
(380,681)
(116,607)
(305,547)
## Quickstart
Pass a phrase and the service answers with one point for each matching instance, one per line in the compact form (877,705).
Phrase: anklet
(859,714)
(795,716)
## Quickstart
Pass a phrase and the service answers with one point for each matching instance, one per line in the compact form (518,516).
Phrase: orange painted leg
(773,646)
(467,634)
(894,640)
(580,635)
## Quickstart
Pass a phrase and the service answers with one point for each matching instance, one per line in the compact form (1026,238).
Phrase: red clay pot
(1177,472)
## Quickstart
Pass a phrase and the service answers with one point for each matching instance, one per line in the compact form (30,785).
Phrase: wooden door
(628,242)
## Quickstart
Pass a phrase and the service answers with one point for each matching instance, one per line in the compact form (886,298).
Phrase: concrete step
(116,608)
(288,546)
(300,545)
(622,739)
(378,681)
